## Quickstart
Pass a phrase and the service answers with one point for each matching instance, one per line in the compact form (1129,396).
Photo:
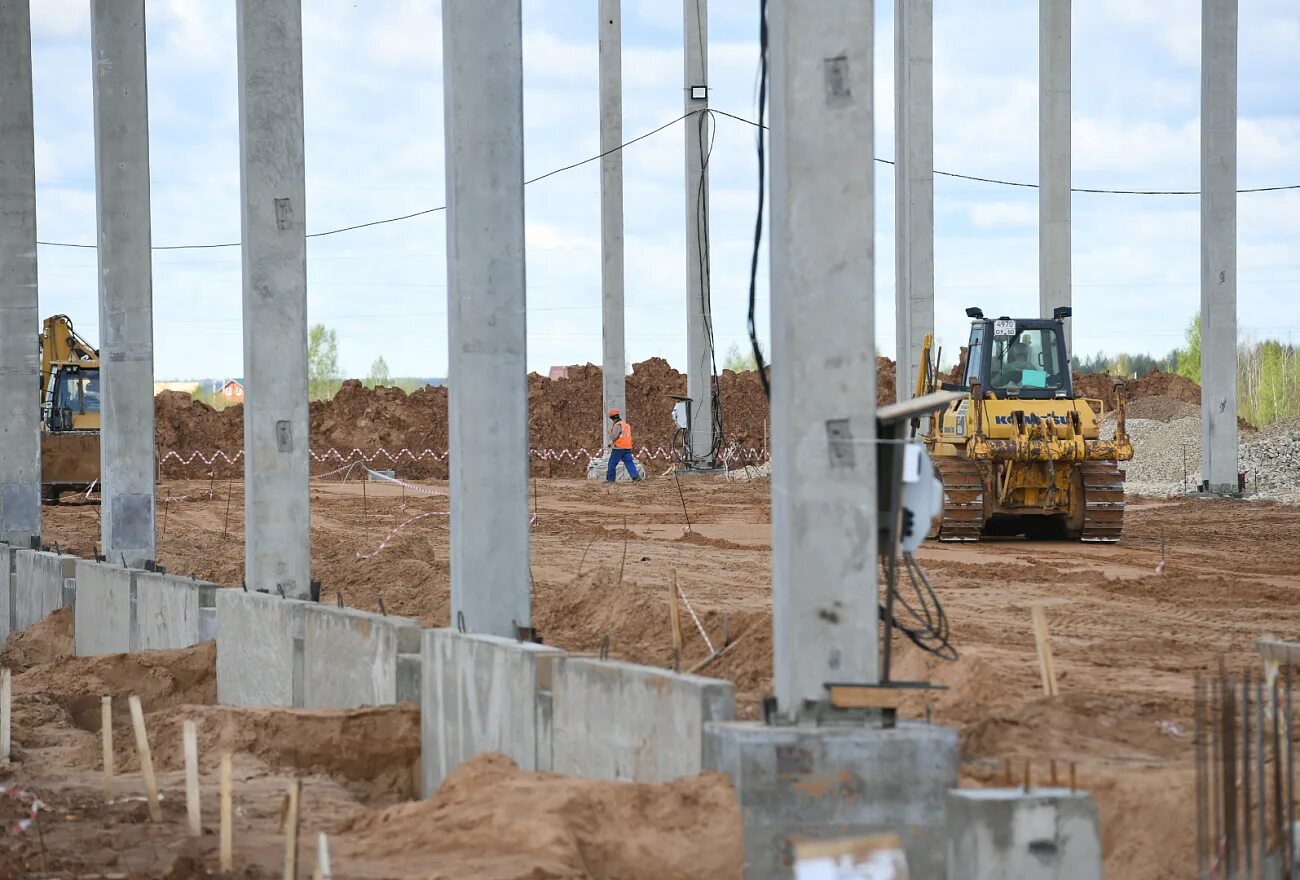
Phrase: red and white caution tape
(383,545)
(36,806)
(362,456)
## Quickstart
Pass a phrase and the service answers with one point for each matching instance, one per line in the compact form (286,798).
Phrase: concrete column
(277,510)
(913,185)
(1054,160)
(482,45)
(611,210)
(121,109)
(1219,244)
(823,364)
(699,316)
(20,440)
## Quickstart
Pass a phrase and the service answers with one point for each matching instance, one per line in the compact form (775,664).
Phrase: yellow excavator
(69,394)
(1021,454)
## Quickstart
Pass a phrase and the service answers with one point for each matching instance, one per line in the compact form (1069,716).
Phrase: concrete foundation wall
(7,577)
(798,783)
(104,613)
(483,694)
(622,721)
(350,657)
(38,585)
(1049,834)
(168,611)
(259,649)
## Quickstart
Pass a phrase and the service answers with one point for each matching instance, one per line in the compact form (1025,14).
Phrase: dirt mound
(1101,386)
(1162,409)
(45,642)
(491,819)
(563,414)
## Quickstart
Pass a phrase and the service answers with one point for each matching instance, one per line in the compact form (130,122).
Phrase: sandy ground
(1127,640)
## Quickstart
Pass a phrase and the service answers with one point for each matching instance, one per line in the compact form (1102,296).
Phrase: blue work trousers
(625,456)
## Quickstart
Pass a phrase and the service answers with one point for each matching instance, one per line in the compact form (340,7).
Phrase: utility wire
(1020,183)
(412,215)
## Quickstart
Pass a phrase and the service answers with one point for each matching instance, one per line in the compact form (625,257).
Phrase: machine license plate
(1004,328)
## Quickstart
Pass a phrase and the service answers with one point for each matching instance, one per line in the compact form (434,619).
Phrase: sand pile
(492,820)
(1160,408)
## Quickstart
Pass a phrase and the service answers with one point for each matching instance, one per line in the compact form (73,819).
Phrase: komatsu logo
(1030,419)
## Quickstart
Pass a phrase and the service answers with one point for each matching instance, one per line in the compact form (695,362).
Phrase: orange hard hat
(614,412)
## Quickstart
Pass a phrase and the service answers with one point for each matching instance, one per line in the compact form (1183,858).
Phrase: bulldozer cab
(1019,358)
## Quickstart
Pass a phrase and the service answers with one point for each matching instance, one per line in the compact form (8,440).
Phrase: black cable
(758,220)
(706,292)
(1020,183)
(413,214)
(931,632)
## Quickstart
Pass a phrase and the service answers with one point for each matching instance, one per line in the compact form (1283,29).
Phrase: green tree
(739,361)
(1188,362)
(322,362)
(379,374)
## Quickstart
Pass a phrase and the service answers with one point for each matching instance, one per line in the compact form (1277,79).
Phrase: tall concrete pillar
(482,45)
(699,316)
(20,440)
(614,361)
(1219,244)
(823,363)
(277,510)
(1054,160)
(913,186)
(121,110)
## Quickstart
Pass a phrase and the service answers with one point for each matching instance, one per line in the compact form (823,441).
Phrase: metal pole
(1245,774)
(1260,778)
(1199,745)
(1290,780)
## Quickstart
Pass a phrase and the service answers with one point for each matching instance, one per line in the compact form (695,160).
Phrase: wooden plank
(675,615)
(1046,663)
(1279,651)
(863,697)
(323,871)
(227,815)
(106,726)
(146,760)
(291,831)
(190,742)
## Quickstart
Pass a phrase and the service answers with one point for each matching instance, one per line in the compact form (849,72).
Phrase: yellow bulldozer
(1021,453)
(69,395)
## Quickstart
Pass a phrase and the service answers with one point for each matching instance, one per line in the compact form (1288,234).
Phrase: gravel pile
(1166,453)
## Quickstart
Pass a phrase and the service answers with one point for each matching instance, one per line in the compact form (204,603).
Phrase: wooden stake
(146,760)
(323,871)
(190,740)
(1074,779)
(1055,779)
(1006,772)
(227,815)
(106,725)
(291,832)
(1026,779)
(6,714)
(1046,664)
(675,615)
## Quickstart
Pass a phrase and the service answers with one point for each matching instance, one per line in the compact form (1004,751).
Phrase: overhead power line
(1024,185)
(652,133)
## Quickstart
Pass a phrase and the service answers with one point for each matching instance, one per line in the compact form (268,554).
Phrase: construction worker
(620,440)
(1013,367)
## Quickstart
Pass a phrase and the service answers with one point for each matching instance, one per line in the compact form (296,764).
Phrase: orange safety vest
(624,438)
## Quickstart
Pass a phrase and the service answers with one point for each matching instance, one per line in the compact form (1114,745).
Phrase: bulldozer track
(963,500)
(1103,496)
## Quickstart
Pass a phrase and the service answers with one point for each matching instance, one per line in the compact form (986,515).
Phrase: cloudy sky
(375,150)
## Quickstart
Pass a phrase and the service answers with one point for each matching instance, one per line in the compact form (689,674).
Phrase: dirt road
(1127,640)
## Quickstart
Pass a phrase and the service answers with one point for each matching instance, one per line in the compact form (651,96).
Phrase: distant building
(233,390)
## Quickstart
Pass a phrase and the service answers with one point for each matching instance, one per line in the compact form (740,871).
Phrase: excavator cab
(69,401)
(74,400)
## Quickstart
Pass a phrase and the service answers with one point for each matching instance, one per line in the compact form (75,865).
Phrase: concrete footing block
(38,585)
(618,720)
(8,575)
(350,657)
(169,611)
(259,649)
(1043,834)
(483,694)
(800,783)
(104,611)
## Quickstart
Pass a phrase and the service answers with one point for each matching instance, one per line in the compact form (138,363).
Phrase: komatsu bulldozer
(1021,453)
(69,395)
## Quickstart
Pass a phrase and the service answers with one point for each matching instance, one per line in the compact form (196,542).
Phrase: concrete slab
(798,783)
(1046,834)
(350,656)
(8,561)
(623,721)
(259,649)
(168,611)
(483,694)
(104,613)
(38,585)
